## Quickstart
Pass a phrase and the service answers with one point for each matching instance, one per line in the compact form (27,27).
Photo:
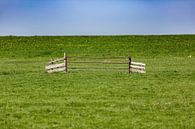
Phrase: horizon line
(71,35)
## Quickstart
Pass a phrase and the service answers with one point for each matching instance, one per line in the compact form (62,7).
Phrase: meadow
(162,98)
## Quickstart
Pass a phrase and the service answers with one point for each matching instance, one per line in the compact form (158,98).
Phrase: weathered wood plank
(137,70)
(137,63)
(54,66)
(137,67)
(54,61)
(56,70)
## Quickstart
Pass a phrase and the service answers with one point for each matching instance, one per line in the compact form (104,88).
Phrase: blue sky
(96,17)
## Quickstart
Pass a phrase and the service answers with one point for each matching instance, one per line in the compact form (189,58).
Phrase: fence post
(65,63)
(129,64)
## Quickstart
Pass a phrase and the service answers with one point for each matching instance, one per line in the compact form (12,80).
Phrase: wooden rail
(78,57)
(55,61)
(62,64)
(57,65)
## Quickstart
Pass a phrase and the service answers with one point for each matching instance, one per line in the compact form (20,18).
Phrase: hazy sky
(96,17)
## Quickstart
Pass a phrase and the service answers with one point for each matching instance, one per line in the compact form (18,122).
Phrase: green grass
(164,97)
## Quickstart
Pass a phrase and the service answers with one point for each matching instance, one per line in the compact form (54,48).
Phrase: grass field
(163,98)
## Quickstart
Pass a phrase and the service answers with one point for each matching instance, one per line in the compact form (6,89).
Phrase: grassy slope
(164,97)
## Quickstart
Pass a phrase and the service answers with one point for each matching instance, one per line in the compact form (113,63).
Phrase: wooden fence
(57,65)
(65,64)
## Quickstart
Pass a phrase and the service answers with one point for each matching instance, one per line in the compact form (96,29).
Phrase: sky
(96,17)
